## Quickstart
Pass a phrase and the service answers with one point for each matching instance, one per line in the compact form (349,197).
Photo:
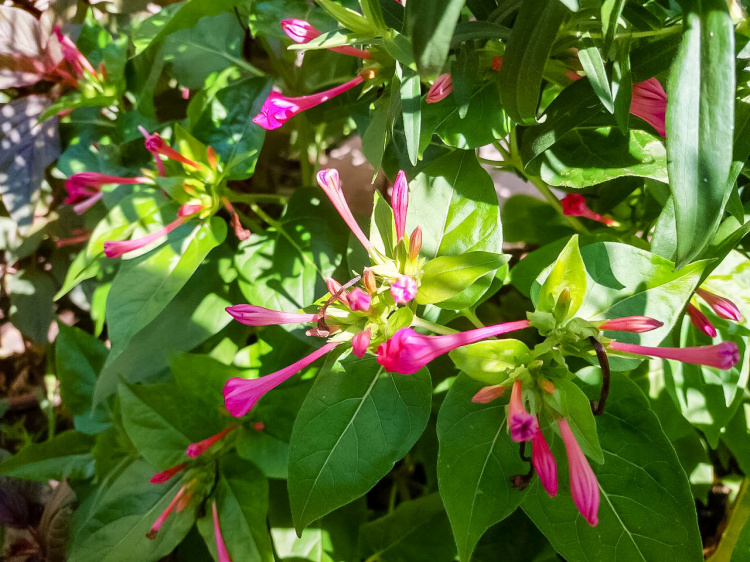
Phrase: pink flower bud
(635,324)
(118,248)
(329,181)
(488,393)
(301,31)
(400,202)
(359,300)
(724,355)
(334,287)
(72,55)
(251,315)
(368,280)
(415,243)
(523,426)
(156,145)
(574,205)
(649,102)
(360,343)
(544,463)
(583,484)
(723,307)
(700,321)
(156,527)
(165,475)
(442,86)
(221,548)
(404,289)
(195,450)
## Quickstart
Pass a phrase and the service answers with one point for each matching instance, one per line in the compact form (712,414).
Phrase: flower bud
(415,243)
(368,280)
(488,393)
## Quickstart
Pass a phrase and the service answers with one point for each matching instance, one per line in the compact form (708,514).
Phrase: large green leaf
(476,461)
(700,125)
(79,357)
(241,496)
(530,43)
(646,511)
(431,23)
(411,108)
(69,454)
(567,273)
(355,423)
(446,276)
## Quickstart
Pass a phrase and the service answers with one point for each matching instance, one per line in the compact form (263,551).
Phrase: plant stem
(427,325)
(471,316)
(257,198)
(737,519)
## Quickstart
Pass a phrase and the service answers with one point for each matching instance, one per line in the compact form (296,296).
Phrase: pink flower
(329,180)
(334,287)
(301,31)
(118,248)
(156,527)
(156,145)
(723,307)
(164,475)
(724,355)
(407,351)
(404,289)
(523,426)
(583,484)
(241,395)
(488,393)
(359,300)
(278,109)
(252,315)
(635,324)
(220,546)
(700,321)
(84,189)
(400,202)
(71,54)
(544,463)
(195,450)
(574,205)
(649,102)
(442,86)
(360,343)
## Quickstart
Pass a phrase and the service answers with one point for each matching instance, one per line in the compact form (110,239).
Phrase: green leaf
(489,361)
(593,64)
(348,18)
(530,43)
(528,219)
(431,24)
(79,357)
(241,496)
(476,461)
(68,454)
(646,511)
(611,11)
(568,272)
(415,530)
(410,106)
(373,12)
(700,121)
(355,423)
(144,286)
(114,527)
(572,403)
(31,292)
(446,276)
(162,421)
(454,201)
(382,226)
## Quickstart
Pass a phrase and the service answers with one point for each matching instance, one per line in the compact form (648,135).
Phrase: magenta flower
(278,109)
(404,289)
(400,202)
(635,324)
(71,54)
(220,546)
(488,393)
(724,355)
(301,31)
(407,351)
(118,248)
(723,307)
(700,321)
(649,102)
(164,475)
(360,343)
(84,189)
(329,180)
(544,463)
(156,527)
(252,315)
(195,450)
(583,484)
(523,426)
(241,395)
(442,86)
(574,205)
(358,300)
(156,145)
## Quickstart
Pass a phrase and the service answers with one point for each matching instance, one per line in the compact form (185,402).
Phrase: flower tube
(84,189)
(700,321)
(584,486)
(156,527)
(221,548)
(329,181)
(523,426)
(400,203)
(301,31)
(649,102)
(574,205)
(252,315)
(635,324)
(723,307)
(165,475)
(724,355)
(544,463)
(195,450)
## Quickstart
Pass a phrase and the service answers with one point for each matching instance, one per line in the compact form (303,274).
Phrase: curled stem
(598,406)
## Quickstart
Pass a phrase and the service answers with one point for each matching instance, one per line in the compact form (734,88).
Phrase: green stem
(254,226)
(640,34)
(427,325)
(256,197)
(471,316)
(303,142)
(738,517)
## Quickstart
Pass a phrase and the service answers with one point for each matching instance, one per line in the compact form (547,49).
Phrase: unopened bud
(259,426)
(213,161)
(368,280)
(547,386)
(415,243)
(563,304)
(488,394)
(334,287)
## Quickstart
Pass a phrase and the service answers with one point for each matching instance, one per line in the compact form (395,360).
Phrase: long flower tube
(165,475)
(241,395)
(701,321)
(584,486)
(574,205)
(195,450)
(278,109)
(407,351)
(221,548)
(329,181)
(252,315)
(723,307)
(724,355)
(400,204)
(84,189)
(635,324)
(544,463)
(156,527)
(301,31)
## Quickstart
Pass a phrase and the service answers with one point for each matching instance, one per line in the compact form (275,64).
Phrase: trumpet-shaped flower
(404,289)
(195,450)
(400,203)
(407,351)
(574,205)
(301,31)
(156,145)
(724,355)
(329,181)
(278,109)
(71,54)
(723,307)
(440,89)
(241,395)
(84,189)
(252,315)
(175,503)
(635,324)
(649,102)
(544,463)
(583,484)
(523,426)
(221,548)
(700,321)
